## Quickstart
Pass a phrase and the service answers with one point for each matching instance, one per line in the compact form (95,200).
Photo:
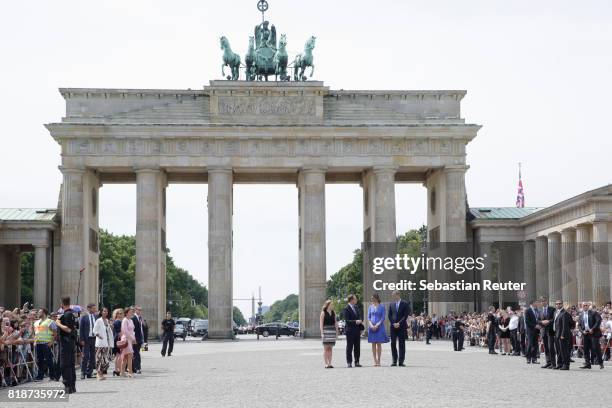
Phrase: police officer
(68,336)
(44,332)
(429,331)
(458,335)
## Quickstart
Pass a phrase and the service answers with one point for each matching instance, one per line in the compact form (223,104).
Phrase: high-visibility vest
(43,332)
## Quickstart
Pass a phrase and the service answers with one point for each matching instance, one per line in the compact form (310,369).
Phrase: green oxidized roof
(27,214)
(501,213)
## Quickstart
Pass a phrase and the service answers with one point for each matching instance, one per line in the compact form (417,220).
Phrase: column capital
(456,168)
(385,168)
(147,169)
(554,236)
(220,169)
(313,169)
(43,246)
(71,170)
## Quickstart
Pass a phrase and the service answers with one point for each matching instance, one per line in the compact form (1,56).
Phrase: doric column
(529,269)
(541,248)
(378,186)
(455,204)
(220,278)
(601,263)
(10,277)
(73,234)
(40,276)
(311,185)
(583,263)
(554,266)
(568,267)
(150,274)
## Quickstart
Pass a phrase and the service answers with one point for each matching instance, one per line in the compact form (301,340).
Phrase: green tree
(239,317)
(283,310)
(117,267)
(27,277)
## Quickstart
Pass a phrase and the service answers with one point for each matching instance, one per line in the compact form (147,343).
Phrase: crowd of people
(559,333)
(35,344)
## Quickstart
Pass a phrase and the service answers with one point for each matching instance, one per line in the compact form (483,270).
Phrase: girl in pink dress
(127,333)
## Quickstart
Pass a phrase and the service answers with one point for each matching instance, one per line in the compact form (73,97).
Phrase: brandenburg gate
(298,132)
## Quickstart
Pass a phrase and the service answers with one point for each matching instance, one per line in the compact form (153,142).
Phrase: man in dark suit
(532,328)
(562,327)
(547,315)
(458,335)
(398,314)
(353,328)
(87,339)
(138,331)
(491,330)
(521,332)
(590,326)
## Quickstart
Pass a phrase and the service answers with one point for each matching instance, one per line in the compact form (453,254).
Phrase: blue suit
(88,345)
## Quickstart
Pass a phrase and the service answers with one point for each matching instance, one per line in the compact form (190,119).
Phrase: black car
(277,328)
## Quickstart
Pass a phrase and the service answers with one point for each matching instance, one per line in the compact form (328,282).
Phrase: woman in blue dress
(376,330)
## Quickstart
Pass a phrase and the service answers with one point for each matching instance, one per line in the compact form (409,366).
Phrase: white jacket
(106,338)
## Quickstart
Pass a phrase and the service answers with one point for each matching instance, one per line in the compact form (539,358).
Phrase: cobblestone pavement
(289,373)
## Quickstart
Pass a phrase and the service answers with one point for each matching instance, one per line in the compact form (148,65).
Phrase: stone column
(529,270)
(3,274)
(10,277)
(601,263)
(79,237)
(311,185)
(455,204)
(456,224)
(73,239)
(554,267)
(541,253)
(378,186)
(583,263)
(568,267)
(40,276)
(220,277)
(150,246)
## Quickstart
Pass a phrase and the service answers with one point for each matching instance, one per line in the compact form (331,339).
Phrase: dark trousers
(89,356)
(167,339)
(67,348)
(532,352)
(428,336)
(353,347)
(136,358)
(516,346)
(523,342)
(491,341)
(398,335)
(458,338)
(44,360)
(563,348)
(549,347)
(592,350)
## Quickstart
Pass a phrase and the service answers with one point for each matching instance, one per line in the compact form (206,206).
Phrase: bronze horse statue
(280,60)
(304,60)
(230,59)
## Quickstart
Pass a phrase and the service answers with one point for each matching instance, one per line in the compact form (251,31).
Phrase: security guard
(43,339)
(458,335)
(68,336)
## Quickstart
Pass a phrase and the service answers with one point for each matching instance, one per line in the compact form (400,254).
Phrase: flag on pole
(520,195)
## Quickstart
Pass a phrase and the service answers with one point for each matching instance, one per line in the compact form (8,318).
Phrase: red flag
(520,195)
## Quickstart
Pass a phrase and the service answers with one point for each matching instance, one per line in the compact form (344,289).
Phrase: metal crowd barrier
(17,364)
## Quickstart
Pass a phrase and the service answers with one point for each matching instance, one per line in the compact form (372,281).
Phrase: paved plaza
(289,373)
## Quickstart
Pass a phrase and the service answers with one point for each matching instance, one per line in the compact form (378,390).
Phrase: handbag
(121,344)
